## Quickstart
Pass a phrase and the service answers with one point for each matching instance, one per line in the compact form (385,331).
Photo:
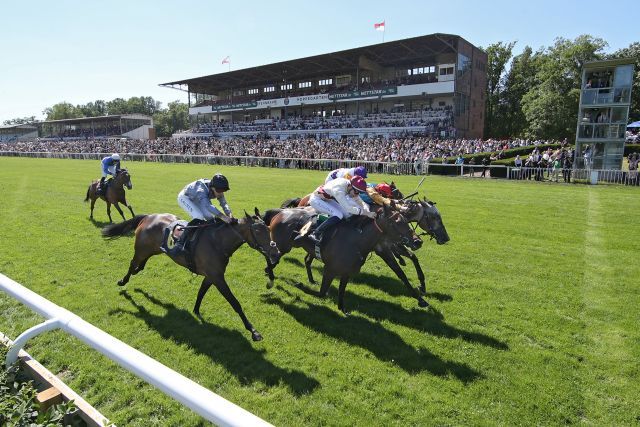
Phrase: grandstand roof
(20,126)
(384,54)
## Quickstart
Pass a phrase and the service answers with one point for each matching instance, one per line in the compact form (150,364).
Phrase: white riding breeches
(329,207)
(190,207)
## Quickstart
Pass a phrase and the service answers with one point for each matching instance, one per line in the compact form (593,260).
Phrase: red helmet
(359,183)
(384,189)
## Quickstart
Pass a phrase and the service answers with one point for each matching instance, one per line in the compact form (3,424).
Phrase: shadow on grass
(229,348)
(388,284)
(99,224)
(385,345)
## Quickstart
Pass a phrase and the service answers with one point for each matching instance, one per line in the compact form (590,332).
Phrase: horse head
(257,235)
(428,218)
(123,178)
(396,226)
(396,194)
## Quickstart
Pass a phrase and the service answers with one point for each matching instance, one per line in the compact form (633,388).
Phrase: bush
(18,405)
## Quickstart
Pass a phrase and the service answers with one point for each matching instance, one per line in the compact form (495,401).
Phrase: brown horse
(344,248)
(211,252)
(300,202)
(113,195)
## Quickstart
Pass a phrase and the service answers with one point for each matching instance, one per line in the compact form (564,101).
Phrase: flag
(379,26)
(226,60)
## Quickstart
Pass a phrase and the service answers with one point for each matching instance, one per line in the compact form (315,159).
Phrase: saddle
(101,190)
(181,236)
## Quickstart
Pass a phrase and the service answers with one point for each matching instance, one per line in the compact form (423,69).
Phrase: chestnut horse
(344,248)
(211,252)
(113,195)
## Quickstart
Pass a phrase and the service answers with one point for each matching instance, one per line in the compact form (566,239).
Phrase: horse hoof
(270,284)
(422,303)
(255,335)
(423,291)
(121,283)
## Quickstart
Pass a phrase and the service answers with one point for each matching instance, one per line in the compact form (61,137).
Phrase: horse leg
(269,272)
(421,278)
(308,259)
(388,257)
(130,209)
(204,287)
(119,211)
(135,266)
(222,286)
(109,210)
(327,278)
(93,203)
(343,286)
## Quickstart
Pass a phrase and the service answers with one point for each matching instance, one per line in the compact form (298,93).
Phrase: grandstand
(13,133)
(432,85)
(135,126)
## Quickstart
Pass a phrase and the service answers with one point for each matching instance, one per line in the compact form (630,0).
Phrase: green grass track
(534,317)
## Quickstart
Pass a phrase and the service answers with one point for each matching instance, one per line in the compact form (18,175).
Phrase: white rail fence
(204,402)
(591,176)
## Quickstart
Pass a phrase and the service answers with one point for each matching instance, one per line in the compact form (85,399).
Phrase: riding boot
(316,236)
(100,189)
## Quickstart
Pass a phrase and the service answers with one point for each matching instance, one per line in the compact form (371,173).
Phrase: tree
(551,106)
(62,110)
(633,51)
(170,120)
(117,106)
(518,81)
(498,56)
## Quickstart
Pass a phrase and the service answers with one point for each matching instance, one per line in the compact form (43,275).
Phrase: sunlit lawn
(533,321)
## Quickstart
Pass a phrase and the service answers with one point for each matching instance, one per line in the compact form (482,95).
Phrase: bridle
(403,239)
(253,244)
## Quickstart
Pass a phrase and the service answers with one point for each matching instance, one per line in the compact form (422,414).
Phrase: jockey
(195,199)
(377,194)
(338,199)
(347,173)
(110,166)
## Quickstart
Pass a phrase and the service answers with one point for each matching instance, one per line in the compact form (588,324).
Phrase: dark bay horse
(428,218)
(344,248)
(114,194)
(211,252)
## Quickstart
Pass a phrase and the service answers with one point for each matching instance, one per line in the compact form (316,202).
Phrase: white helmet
(115,156)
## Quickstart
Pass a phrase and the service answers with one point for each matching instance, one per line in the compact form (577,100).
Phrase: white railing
(206,403)
(591,176)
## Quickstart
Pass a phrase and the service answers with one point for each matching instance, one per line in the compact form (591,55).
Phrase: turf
(533,319)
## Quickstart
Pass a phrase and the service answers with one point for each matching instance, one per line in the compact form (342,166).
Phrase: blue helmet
(360,171)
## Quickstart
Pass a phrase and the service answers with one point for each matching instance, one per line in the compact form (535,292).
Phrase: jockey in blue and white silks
(195,199)
(110,166)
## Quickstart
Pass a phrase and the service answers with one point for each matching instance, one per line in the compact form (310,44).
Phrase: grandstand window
(253,91)
(269,89)
(365,79)
(325,82)
(446,71)
(286,86)
(304,84)
(238,92)
(432,69)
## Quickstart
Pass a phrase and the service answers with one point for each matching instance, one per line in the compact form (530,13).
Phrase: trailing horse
(344,248)
(210,253)
(114,193)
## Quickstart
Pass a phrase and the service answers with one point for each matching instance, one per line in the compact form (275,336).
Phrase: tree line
(536,94)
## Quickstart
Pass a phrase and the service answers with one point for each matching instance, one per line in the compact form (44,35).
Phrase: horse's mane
(268,215)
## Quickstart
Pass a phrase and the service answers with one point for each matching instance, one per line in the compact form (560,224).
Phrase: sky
(82,51)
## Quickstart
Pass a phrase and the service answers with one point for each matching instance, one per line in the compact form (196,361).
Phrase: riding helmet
(219,182)
(359,184)
(360,171)
(115,156)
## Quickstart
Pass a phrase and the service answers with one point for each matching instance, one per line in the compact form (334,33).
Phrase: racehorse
(298,202)
(428,218)
(344,248)
(211,252)
(114,193)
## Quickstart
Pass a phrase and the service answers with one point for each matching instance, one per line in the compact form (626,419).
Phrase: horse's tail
(115,230)
(291,203)
(88,191)
(268,215)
